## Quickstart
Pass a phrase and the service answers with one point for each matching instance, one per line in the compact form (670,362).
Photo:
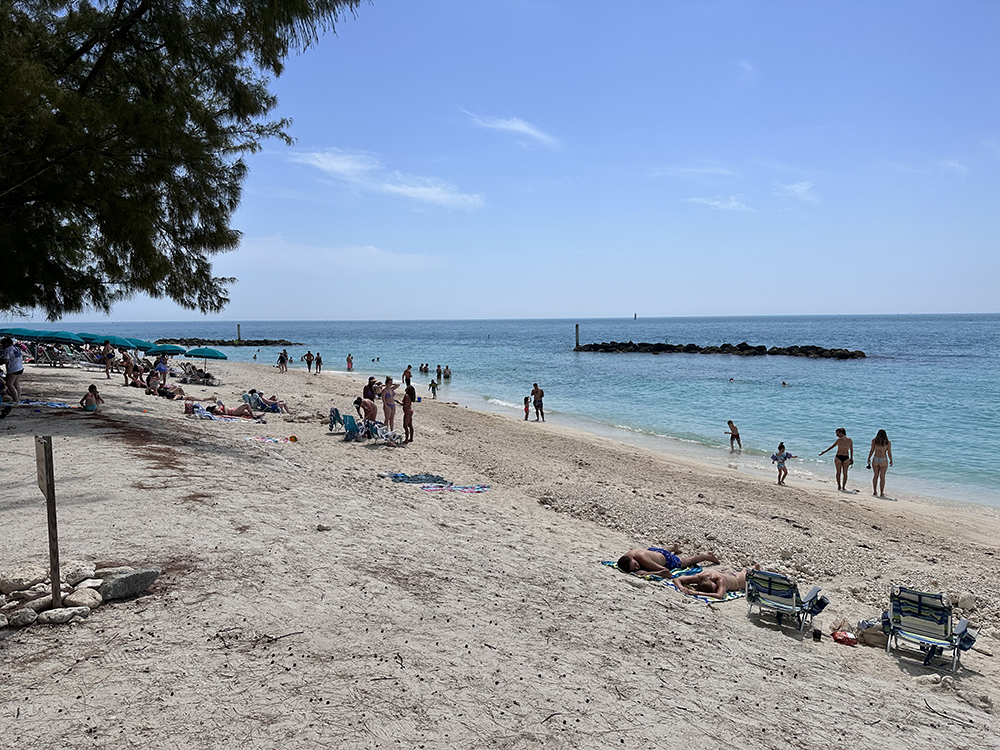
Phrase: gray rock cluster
(26,592)
(743,349)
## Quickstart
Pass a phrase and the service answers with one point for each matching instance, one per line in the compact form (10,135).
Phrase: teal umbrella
(118,342)
(62,337)
(168,349)
(206,354)
(142,344)
(88,337)
(25,334)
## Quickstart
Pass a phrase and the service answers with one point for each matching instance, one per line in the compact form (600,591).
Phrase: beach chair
(379,431)
(925,620)
(353,432)
(780,594)
(336,418)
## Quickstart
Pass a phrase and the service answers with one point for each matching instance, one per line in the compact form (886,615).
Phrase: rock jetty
(229,342)
(742,349)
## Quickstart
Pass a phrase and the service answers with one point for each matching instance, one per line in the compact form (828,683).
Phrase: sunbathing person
(243,410)
(659,561)
(258,396)
(713,583)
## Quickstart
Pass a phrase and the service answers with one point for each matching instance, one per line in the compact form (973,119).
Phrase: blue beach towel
(652,577)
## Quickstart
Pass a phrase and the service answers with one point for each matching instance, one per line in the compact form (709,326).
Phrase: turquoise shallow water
(931,381)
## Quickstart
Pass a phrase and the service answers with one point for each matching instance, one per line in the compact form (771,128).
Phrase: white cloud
(364,171)
(732,203)
(954,165)
(517,126)
(748,71)
(799,190)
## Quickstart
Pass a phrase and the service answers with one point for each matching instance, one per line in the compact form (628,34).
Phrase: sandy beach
(444,619)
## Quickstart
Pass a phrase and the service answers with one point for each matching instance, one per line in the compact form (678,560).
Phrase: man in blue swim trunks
(660,562)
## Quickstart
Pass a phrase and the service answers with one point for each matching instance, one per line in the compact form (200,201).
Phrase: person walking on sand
(734,436)
(409,396)
(308,357)
(407,375)
(527,399)
(537,394)
(845,457)
(879,461)
(350,362)
(319,363)
(91,399)
(659,561)
(13,362)
(108,355)
(779,458)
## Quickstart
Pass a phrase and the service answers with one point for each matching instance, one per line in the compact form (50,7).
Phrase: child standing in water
(734,436)
(527,400)
(780,457)
(433,388)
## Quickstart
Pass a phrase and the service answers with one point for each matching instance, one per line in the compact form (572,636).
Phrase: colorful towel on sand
(419,479)
(53,404)
(651,577)
(269,439)
(454,488)
(202,413)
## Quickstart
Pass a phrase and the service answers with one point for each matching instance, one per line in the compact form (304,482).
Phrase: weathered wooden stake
(47,484)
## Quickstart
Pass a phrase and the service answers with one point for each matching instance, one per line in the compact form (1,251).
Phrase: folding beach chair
(336,419)
(780,594)
(925,620)
(353,432)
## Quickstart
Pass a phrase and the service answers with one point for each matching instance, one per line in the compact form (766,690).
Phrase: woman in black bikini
(845,457)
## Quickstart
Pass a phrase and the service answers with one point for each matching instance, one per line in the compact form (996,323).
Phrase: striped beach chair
(780,594)
(924,620)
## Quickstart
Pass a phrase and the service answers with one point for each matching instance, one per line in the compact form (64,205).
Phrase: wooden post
(577,335)
(47,484)
(238,338)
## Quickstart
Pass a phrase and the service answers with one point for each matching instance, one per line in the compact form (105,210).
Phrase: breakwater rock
(742,349)
(229,342)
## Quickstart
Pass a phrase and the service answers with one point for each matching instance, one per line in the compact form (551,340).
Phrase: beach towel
(269,439)
(419,479)
(454,488)
(652,577)
(52,404)
(202,413)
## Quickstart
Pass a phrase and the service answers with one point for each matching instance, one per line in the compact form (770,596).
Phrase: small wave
(501,402)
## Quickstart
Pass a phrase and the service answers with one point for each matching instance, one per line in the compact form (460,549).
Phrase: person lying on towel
(660,562)
(713,583)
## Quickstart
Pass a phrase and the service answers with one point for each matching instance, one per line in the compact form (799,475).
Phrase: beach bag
(188,407)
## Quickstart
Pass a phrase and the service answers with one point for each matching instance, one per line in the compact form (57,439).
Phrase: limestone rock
(84,597)
(28,594)
(105,572)
(18,579)
(22,618)
(76,572)
(90,583)
(61,615)
(3,621)
(124,585)
(967,601)
(42,603)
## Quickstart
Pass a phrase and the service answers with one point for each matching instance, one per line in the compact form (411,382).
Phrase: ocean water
(931,381)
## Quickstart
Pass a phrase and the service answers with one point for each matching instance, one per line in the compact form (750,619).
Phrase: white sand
(456,620)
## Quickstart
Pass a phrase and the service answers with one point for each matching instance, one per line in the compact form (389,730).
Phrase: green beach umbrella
(169,349)
(206,354)
(25,334)
(118,342)
(142,344)
(88,337)
(62,337)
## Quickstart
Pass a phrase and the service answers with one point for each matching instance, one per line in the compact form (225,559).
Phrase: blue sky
(465,159)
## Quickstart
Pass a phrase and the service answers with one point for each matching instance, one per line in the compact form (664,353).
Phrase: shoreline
(444,618)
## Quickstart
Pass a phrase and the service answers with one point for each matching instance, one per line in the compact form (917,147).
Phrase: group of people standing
(385,392)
